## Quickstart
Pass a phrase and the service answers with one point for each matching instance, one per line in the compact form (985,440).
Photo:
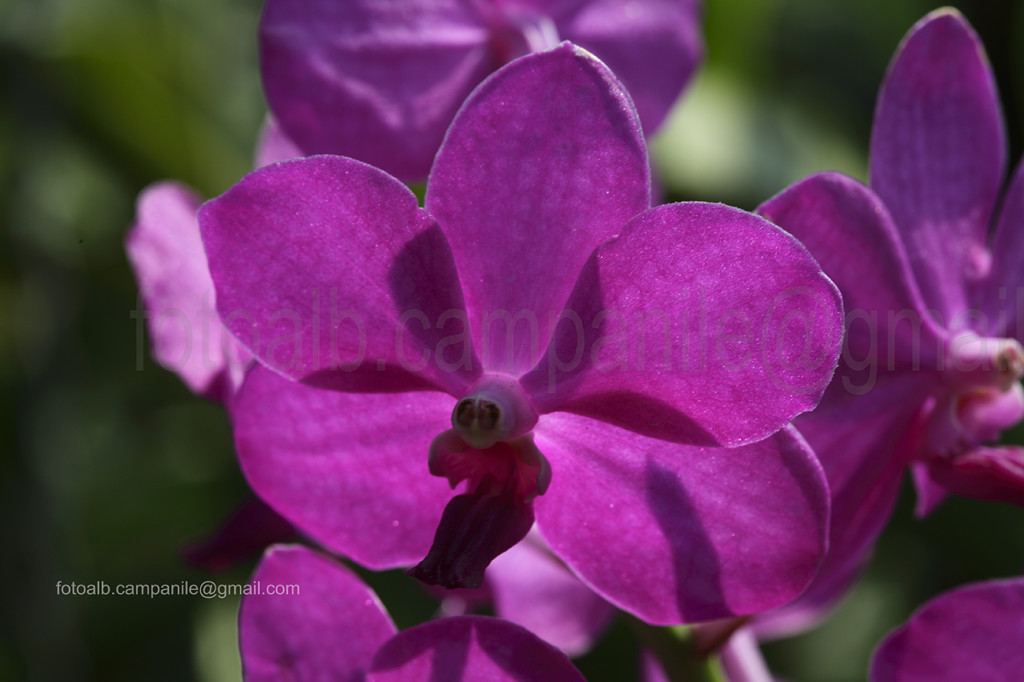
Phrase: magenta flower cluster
(536,383)
(929,375)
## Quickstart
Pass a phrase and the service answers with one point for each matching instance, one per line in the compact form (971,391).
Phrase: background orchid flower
(167,257)
(335,629)
(532,588)
(932,356)
(381,81)
(244,535)
(971,634)
(396,337)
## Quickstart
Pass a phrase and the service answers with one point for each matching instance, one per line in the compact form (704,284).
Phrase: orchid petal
(526,185)
(863,443)
(938,155)
(167,256)
(470,648)
(971,634)
(675,533)
(328,270)
(849,231)
(1001,296)
(326,631)
(379,82)
(701,324)
(930,494)
(630,36)
(349,470)
(534,589)
(984,473)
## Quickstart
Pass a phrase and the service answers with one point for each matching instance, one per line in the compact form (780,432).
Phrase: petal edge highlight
(717,323)
(328,270)
(469,648)
(327,632)
(938,154)
(526,185)
(721,531)
(321,458)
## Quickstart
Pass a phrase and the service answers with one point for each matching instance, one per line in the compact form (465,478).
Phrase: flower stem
(676,651)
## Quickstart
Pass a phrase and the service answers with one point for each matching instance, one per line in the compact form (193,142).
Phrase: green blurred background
(111,466)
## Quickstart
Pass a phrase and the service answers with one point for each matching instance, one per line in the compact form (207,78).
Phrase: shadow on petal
(428,298)
(695,560)
(448,654)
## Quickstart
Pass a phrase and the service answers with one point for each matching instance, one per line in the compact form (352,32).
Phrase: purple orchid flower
(971,634)
(381,81)
(935,314)
(336,630)
(560,327)
(166,254)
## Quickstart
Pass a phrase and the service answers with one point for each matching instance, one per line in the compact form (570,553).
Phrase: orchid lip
(490,446)
(491,470)
(493,514)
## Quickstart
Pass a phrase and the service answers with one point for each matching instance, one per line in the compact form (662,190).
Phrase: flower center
(496,410)
(516,470)
(986,397)
(984,362)
(490,447)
